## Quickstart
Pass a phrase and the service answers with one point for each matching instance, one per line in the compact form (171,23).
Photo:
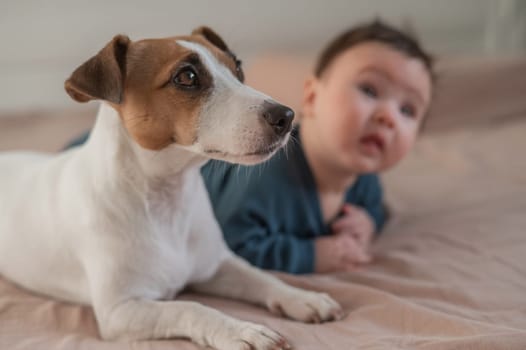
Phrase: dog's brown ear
(211,36)
(216,40)
(102,76)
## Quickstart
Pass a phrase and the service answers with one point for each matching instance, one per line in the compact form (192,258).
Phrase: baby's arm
(352,233)
(252,239)
(372,201)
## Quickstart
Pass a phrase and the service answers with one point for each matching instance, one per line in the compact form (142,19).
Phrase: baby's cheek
(404,144)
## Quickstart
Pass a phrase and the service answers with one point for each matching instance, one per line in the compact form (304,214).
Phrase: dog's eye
(186,78)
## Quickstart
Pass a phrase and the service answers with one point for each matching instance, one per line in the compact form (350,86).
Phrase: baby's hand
(339,253)
(357,223)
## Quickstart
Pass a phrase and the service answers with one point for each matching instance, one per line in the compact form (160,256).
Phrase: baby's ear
(102,76)
(309,95)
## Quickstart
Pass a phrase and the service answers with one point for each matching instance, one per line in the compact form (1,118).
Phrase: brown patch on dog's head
(157,86)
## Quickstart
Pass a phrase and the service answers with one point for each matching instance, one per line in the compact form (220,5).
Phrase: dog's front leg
(138,319)
(239,280)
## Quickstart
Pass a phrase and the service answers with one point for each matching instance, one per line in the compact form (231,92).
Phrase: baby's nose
(385,116)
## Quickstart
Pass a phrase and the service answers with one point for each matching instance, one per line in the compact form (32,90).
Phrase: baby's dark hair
(376,31)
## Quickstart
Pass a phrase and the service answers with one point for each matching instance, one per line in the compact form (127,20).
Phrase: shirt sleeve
(371,199)
(244,206)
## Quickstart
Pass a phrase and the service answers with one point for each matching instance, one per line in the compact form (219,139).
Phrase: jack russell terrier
(124,222)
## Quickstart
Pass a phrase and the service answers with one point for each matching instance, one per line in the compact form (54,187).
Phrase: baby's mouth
(373,143)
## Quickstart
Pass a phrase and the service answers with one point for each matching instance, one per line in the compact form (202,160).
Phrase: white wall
(43,41)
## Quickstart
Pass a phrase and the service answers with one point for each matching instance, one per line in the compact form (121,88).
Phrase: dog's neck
(114,150)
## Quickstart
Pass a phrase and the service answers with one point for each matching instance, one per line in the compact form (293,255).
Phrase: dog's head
(185,92)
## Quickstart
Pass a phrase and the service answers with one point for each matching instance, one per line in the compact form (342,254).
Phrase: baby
(317,205)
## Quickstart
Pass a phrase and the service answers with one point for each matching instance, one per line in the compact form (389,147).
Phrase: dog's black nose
(279,117)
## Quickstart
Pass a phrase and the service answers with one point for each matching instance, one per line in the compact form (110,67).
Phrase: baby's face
(368,106)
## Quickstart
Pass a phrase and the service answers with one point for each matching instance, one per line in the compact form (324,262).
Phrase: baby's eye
(368,89)
(408,110)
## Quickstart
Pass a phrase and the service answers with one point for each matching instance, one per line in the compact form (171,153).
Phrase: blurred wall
(43,41)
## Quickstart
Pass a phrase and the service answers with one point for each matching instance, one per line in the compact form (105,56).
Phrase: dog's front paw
(240,335)
(305,306)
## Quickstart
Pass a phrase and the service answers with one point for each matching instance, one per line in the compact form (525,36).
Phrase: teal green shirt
(270,213)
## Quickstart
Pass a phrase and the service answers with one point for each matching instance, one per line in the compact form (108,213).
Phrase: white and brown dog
(124,222)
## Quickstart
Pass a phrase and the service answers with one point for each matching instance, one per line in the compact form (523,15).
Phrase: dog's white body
(61,213)
(121,227)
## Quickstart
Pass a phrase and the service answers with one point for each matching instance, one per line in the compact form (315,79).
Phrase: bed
(449,270)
